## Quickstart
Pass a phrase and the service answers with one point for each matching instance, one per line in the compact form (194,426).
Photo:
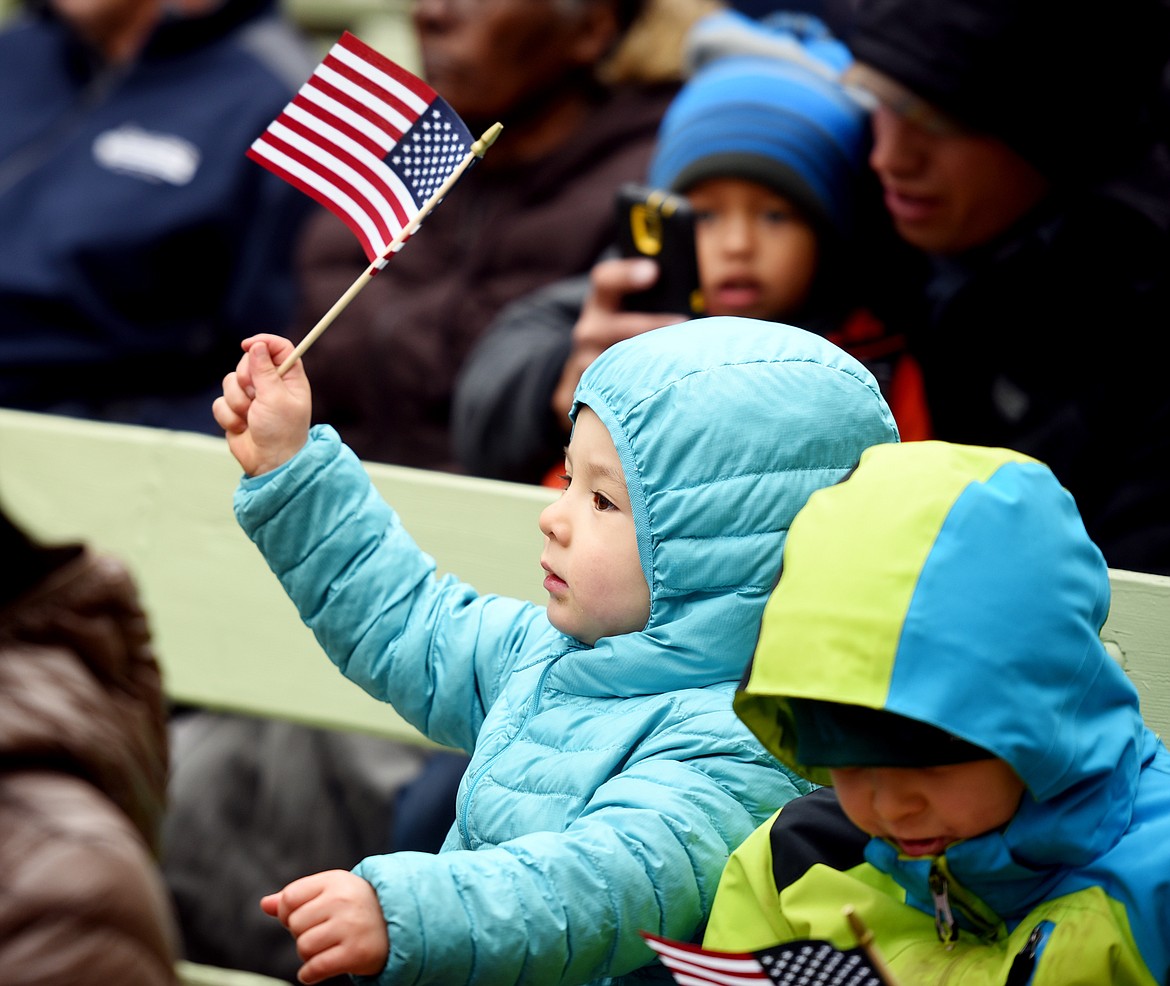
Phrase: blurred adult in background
(579,118)
(140,244)
(1022,149)
(83,749)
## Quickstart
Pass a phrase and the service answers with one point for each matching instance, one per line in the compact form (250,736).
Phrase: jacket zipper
(1024,964)
(944,919)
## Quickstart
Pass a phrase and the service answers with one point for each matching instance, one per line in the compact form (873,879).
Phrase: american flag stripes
(802,963)
(366,139)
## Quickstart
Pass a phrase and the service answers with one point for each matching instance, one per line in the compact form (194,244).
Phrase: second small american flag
(802,963)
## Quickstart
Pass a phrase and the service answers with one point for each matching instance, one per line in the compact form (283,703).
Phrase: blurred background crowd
(971,196)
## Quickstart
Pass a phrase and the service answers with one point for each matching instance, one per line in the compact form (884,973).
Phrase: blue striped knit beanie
(766,106)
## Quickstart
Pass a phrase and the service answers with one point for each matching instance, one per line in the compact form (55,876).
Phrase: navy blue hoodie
(139,244)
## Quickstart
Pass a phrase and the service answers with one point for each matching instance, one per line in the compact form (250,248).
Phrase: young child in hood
(932,651)
(609,778)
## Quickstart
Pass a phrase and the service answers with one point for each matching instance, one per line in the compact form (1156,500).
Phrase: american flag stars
(435,147)
(801,963)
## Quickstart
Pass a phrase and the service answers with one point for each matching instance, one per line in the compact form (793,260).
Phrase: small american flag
(800,963)
(366,139)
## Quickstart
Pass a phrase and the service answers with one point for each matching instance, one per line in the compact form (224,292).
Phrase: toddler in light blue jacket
(609,777)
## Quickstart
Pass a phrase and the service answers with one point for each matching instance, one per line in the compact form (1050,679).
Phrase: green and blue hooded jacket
(956,586)
(607,784)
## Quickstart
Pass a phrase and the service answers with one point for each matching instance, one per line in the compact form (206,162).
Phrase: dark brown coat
(84,754)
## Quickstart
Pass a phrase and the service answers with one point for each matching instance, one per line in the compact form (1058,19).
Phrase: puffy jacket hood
(724,427)
(957,586)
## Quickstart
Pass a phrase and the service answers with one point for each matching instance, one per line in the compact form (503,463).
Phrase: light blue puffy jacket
(607,784)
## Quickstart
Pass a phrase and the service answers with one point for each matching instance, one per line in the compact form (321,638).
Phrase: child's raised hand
(264,415)
(337,923)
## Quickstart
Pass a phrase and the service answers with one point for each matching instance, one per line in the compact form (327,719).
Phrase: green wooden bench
(161,501)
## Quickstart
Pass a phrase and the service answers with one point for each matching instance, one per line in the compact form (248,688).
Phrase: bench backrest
(161,501)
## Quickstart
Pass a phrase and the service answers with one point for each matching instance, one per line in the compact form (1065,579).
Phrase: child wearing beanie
(932,652)
(771,152)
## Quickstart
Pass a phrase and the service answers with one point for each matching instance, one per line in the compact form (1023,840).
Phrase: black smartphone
(660,225)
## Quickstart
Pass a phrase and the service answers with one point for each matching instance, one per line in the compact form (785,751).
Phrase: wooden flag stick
(477,151)
(864,938)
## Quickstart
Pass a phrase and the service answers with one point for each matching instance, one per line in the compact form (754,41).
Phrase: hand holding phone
(660,225)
